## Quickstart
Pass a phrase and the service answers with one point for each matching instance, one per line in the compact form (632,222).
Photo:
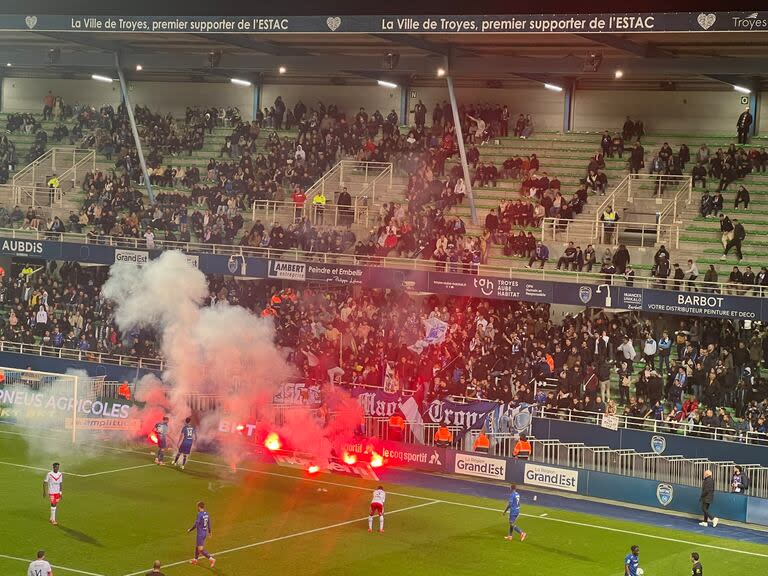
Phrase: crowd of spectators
(697,372)
(60,307)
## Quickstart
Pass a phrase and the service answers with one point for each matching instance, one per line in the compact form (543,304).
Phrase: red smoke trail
(220,352)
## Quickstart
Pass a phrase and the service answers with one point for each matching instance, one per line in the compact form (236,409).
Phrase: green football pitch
(120,512)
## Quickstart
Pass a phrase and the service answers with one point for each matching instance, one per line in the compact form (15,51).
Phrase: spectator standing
(739,480)
(706,499)
(743,125)
(149,237)
(344,202)
(726,229)
(48,105)
(739,234)
(649,350)
(691,273)
(664,348)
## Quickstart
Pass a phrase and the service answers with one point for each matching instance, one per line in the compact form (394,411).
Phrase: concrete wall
(545,106)
(346,98)
(684,112)
(762,116)
(174,97)
(661,111)
(26,94)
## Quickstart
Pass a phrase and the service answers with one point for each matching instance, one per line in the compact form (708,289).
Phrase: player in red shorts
(377,507)
(52,489)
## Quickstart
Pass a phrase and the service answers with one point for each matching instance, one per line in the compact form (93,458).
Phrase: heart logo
(706,20)
(333,23)
(31,21)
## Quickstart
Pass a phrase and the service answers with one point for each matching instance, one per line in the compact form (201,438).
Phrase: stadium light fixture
(139,67)
(553,87)
(282,70)
(240,82)
(101,78)
(440,72)
(618,74)
(742,89)
(385,84)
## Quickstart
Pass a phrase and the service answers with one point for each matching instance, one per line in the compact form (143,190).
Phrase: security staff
(482,443)
(318,203)
(396,427)
(522,448)
(443,437)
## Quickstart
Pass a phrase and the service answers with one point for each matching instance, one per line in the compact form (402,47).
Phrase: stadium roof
(645,58)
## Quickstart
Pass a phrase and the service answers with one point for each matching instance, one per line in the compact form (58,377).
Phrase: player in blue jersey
(161,432)
(632,562)
(513,506)
(187,437)
(202,526)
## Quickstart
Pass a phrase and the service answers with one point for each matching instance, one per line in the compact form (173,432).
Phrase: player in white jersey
(377,507)
(52,489)
(40,567)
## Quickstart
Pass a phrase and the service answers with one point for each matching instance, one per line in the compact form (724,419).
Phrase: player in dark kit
(696,569)
(513,506)
(188,436)
(632,562)
(202,526)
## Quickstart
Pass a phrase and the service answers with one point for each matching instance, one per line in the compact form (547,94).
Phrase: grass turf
(120,512)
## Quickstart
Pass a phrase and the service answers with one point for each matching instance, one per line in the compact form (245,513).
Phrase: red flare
(349,458)
(272,442)
(153,438)
(377,460)
(313,469)
(240,427)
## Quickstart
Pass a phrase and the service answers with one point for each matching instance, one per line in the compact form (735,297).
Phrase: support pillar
(134,129)
(405,95)
(568,104)
(257,93)
(462,151)
(754,108)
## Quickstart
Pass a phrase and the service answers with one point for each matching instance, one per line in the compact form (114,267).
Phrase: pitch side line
(64,568)
(75,474)
(115,470)
(294,535)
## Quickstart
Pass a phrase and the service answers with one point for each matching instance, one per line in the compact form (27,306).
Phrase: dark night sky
(310,7)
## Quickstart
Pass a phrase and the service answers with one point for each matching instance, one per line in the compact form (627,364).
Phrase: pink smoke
(222,355)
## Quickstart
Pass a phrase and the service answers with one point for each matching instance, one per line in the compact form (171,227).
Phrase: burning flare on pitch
(272,442)
(377,460)
(349,458)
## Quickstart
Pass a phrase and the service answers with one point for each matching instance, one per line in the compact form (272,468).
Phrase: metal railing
(648,465)
(68,163)
(273,212)
(619,192)
(660,426)
(367,181)
(613,233)
(682,191)
(649,186)
(511,272)
(155,364)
